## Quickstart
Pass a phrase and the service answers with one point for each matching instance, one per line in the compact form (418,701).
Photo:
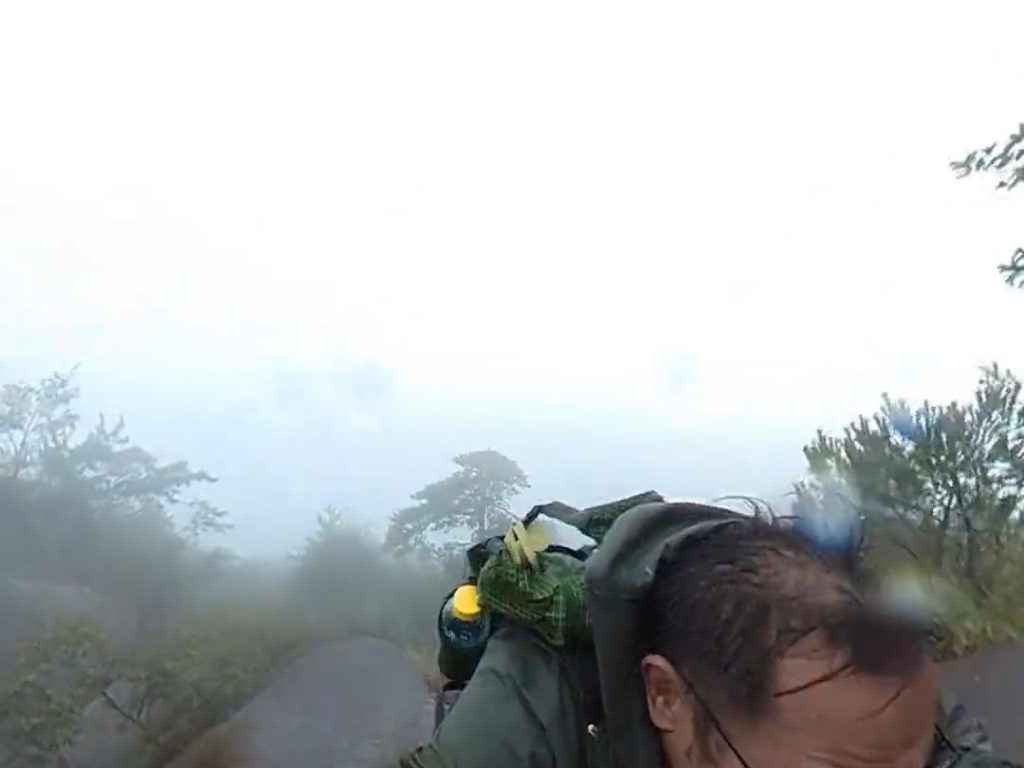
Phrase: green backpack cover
(541,590)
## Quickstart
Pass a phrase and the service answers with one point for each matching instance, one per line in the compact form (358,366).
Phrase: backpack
(540,588)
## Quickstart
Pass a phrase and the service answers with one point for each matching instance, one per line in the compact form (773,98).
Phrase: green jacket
(529,705)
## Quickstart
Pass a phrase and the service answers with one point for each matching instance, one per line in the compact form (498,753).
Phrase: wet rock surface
(354,704)
(106,737)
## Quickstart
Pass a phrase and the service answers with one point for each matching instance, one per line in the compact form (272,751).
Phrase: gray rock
(357,704)
(106,738)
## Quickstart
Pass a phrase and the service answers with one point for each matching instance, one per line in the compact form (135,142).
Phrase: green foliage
(350,586)
(55,676)
(1005,160)
(106,469)
(204,518)
(102,472)
(91,507)
(969,625)
(468,505)
(208,669)
(35,420)
(949,481)
(193,679)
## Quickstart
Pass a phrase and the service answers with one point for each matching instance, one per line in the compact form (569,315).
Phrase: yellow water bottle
(464,627)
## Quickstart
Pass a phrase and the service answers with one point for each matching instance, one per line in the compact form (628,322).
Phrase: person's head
(761,653)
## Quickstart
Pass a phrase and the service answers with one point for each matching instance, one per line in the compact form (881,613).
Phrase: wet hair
(726,607)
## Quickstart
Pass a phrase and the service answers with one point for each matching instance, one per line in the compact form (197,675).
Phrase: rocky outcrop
(358,703)
(107,737)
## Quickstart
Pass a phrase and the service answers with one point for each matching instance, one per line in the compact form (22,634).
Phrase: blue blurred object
(904,425)
(834,530)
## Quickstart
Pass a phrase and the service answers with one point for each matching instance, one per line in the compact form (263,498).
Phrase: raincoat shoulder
(518,711)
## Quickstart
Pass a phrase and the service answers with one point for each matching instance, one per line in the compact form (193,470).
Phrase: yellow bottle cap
(466,603)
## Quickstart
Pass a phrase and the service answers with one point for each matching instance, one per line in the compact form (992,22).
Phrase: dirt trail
(991,686)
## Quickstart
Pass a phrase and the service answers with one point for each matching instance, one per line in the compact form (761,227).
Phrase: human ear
(671,710)
(669,705)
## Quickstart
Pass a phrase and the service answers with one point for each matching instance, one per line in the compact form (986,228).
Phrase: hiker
(718,639)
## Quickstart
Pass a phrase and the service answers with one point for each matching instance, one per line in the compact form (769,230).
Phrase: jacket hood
(618,579)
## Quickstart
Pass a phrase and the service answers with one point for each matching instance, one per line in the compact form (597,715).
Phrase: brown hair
(724,608)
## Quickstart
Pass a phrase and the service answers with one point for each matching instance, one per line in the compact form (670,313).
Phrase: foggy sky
(319,248)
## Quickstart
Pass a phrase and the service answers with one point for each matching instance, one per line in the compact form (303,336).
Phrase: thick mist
(367,281)
(279,461)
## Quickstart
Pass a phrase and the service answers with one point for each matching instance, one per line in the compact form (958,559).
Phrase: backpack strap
(586,680)
(592,521)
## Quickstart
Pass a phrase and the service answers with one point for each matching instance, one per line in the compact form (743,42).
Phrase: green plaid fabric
(549,598)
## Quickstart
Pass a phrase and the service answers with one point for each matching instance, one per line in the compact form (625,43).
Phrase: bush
(54,678)
(195,678)
(348,585)
(952,475)
(215,663)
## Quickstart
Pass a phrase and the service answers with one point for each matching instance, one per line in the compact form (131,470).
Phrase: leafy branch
(1006,162)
